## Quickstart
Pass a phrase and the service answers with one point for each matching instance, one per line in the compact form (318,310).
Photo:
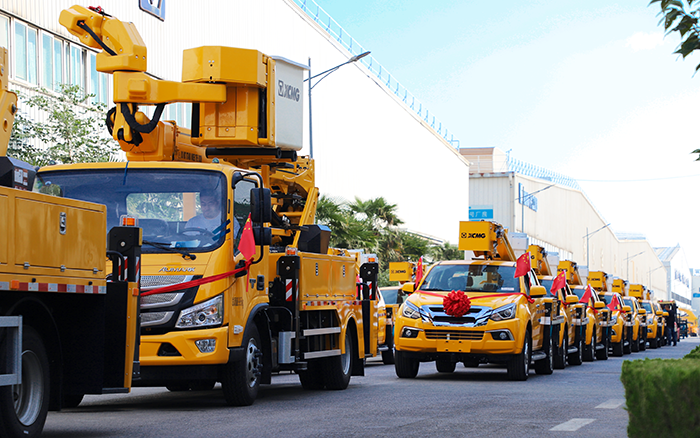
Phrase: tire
(23,407)
(337,369)
(444,366)
(617,349)
(577,358)
(546,366)
(560,354)
(602,354)
(406,368)
(654,343)
(643,343)
(388,356)
(626,349)
(589,350)
(71,400)
(634,345)
(471,364)
(241,378)
(312,379)
(519,365)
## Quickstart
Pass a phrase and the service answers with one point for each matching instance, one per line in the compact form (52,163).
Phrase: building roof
(665,254)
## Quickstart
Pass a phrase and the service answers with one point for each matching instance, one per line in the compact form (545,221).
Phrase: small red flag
(246,245)
(586,295)
(419,270)
(522,265)
(558,283)
(614,303)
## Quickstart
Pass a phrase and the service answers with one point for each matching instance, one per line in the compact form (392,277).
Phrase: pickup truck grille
(439,317)
(454,335)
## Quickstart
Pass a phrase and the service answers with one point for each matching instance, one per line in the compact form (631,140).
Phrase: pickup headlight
(503,313)
(208,313)
(410,310)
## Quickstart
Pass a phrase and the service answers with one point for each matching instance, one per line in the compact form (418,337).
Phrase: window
(51,62)
(25,53)
(77,69)
(4,28)
(57,64)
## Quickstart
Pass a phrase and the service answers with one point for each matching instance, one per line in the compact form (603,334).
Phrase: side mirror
(260,205)
(626,309)
(659,313)
(665,313)
(571,299)
(263,237)
(538,291)
(408,288)
(642,311)
(598,305)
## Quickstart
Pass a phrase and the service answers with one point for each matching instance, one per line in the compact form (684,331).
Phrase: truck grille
(438,315)
(454,335)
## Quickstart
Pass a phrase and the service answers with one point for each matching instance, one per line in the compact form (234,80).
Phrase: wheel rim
(345,358)
(252,363)
(29,395)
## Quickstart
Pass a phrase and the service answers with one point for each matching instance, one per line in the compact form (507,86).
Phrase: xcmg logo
(473,235)
(288,91)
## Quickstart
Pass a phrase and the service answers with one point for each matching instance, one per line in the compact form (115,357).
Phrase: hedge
(663,396)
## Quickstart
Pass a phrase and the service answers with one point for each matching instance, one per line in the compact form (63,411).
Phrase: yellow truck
(477,311)
(220,304)
(68,327)
(631,330)
(636,293)
(569,334)
(654,319)
(602,283)
(593,311)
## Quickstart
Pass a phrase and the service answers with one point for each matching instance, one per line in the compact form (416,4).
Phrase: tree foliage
(682,16)
(73,131)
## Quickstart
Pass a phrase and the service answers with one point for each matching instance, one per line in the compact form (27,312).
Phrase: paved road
(583,401)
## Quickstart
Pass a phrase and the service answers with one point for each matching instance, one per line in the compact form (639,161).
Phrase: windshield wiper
(436,290)
(185,255)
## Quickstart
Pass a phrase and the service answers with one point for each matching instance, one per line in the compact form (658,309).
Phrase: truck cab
(602,283)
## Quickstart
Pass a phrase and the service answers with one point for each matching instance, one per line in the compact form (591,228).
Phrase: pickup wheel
(445,366)
(627,349)
(602,353)
(589,350)
(23,407)
(654,343)
(634,345)
(546,365)
(406,368)
(519,365)
(617,349)
(577,358)
(241,378)
(337,369)
(643,342)
(560,353)
(312,379)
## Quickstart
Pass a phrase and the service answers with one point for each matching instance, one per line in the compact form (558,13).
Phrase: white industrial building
(371,136)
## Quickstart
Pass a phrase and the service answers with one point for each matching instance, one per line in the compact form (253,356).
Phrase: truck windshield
(175,208)
(471,278)
(647,307)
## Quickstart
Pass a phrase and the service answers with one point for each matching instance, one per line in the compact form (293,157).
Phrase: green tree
(73,132)
(682,16)
(447,251)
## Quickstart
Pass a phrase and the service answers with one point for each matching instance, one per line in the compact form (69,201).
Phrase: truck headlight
(410,310)
(503,313)
(208,313)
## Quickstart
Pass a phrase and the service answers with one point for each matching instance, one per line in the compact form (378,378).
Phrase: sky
(589,89)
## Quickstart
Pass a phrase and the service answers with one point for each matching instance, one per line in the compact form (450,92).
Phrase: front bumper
(179,348)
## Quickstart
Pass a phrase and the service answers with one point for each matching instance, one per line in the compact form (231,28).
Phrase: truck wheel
(602,354)
(627,349)
(241,378)
(617,349)
(546,365)
(560,353)
(406,368)
(388,356)
(589,350)
(519,365)
(445,366)
(577,358)
(23,407)
(311,379)
(643,343)
(654,343)
(634,345)
(337,369)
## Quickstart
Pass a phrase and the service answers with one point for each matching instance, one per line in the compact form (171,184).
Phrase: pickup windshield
(176,209)
(647,307)
(471,278)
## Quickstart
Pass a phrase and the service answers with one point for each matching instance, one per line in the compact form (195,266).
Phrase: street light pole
(587,237)
(628,262)
(324,74)
(522,199)
(652,270)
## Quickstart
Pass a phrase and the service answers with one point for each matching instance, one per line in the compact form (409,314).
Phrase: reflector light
(292,251)
(128,221)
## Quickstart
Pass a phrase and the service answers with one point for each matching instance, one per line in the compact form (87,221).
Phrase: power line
(635,180)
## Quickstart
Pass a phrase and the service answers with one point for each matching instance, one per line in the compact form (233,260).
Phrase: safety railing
(327,23)
(523,168)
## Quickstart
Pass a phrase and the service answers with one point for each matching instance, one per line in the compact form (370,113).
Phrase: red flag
(246,245)
(419,270)
(586,295)
(558,283)
(614,303)
(522,265)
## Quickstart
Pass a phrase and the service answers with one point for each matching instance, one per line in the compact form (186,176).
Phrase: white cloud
(645,41)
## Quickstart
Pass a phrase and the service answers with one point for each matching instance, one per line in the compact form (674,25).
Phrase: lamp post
(628,262)
(652,270)
(587,237)
(522,199)
(310,87)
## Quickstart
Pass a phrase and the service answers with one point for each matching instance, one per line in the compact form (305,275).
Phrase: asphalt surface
(580,401)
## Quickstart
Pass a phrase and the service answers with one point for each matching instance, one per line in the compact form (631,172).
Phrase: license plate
(444,346)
